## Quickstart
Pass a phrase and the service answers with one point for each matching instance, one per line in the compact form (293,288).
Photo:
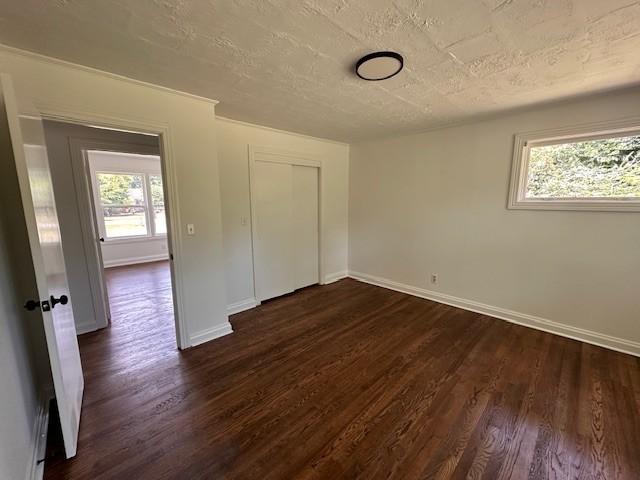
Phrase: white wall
(55,85)
(233,141)
(129,251)
(436,203)
(120,253)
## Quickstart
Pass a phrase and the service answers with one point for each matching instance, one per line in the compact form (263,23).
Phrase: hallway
(141,316)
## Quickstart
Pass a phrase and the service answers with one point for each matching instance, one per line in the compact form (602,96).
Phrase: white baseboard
(241,306)
(39,447)
(134,260)
(539,323)
(210,334)
(334,277)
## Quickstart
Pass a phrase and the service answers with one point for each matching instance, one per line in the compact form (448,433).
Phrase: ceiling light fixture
(379,66)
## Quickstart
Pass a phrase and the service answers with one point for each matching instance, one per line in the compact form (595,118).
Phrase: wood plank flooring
(349,381)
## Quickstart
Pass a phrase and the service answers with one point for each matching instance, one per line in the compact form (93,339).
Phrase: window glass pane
(124,221)
(605,168)
(120,189)
(160,220)
(157,198)
(157,195)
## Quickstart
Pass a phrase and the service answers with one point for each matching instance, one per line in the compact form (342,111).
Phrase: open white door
(34,177)
(96,267)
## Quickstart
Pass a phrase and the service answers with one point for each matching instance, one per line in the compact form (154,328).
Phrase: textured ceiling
(288,64)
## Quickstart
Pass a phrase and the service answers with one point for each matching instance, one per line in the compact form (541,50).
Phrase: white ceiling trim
(95,71)
(277,130)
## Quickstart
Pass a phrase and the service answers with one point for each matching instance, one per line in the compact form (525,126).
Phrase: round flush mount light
(379,65)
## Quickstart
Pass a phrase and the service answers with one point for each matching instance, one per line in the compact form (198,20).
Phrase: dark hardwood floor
(347,380)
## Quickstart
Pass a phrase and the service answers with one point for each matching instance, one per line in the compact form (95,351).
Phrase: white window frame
(148,207)
(149,200)
(525,141)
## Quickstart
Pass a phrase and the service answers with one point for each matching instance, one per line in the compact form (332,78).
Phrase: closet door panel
(272,189)
(305,226)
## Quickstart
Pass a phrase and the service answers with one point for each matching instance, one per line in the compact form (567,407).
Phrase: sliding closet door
(273,236)
(305,226)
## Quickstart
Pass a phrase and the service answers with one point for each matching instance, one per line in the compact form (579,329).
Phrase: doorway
(110,191)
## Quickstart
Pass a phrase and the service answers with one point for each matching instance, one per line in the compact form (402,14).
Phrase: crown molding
(506,113)
(114,76)
(276,130)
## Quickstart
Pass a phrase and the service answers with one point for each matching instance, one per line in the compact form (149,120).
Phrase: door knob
(31,305)
(102,239)
(62,300)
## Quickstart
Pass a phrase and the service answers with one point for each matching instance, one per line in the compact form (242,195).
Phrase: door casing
(169,175)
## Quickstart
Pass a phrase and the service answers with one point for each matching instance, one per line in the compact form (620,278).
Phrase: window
(123,204)
(132,205)
(579,169)
(157,201)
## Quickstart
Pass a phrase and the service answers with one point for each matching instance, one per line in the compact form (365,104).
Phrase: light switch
(243,221)
(191,229)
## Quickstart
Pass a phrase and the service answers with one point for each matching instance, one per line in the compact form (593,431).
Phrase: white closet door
(305,226)
(273,235)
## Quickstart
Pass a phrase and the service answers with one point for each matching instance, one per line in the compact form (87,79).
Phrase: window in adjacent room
(157,202)
(123,204)
(132,205)
(582,169)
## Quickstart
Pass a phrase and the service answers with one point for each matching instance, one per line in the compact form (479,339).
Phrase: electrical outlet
(434,278)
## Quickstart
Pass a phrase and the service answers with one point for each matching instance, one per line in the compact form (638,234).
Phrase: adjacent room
(320,239)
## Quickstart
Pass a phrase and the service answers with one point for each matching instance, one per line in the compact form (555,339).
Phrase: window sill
(523,142)
(125,240)
(576,205)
